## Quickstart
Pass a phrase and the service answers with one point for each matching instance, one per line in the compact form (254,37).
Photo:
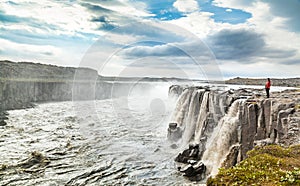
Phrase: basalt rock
(195,171)
(189,155)
(225,125)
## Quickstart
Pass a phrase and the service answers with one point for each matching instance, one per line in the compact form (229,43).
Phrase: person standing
(267,86)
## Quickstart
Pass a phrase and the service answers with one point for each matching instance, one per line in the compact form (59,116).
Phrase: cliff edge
(220,127)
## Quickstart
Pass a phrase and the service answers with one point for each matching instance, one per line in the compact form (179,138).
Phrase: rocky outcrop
(221,127)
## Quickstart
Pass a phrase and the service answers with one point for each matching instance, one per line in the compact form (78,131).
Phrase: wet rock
(3,117)
(174,132)
(188,170)
(194,171)
(2,123)
(36,158)
(192,153)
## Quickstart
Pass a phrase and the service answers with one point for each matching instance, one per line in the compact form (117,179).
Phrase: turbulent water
(106,142)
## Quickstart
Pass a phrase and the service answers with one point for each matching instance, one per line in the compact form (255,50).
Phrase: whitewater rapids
(106,142)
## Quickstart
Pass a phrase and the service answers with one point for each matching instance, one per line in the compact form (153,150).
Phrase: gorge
(116,137)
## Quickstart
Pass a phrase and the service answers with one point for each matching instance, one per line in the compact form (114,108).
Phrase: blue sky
(203,39)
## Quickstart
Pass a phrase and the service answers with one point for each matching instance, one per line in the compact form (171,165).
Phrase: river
(120,141)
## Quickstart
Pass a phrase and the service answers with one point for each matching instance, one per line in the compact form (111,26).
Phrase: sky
(199,39)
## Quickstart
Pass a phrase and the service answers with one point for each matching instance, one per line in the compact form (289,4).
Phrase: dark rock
(197,170)
(172,126)
(190,154)
(3,117)
(188,170)
(2,123)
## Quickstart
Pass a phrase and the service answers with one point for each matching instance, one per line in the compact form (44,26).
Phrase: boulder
(174,132)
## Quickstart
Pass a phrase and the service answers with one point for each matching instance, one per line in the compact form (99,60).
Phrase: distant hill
(288,82)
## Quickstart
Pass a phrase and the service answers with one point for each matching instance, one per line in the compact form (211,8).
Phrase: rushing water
(106,142)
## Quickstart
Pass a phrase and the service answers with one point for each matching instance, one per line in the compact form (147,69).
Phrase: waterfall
(223,137)
(198,120)
(192,116)
(217,128)
(202,117)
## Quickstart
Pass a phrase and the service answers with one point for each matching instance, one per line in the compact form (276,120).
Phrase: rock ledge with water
(220,127)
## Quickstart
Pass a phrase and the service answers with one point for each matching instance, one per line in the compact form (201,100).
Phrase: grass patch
(269,165)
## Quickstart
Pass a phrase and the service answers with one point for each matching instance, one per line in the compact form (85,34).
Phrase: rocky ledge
(220,127)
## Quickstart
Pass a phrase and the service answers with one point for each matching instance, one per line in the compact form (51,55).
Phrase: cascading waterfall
(199,116)
(220,127)
(192,115)
(223,137)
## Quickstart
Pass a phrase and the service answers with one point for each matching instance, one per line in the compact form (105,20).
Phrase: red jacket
(268,84)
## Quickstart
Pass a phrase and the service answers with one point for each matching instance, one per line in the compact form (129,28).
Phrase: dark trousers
(268,92)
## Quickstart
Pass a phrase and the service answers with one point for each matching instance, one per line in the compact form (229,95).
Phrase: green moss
(269,165)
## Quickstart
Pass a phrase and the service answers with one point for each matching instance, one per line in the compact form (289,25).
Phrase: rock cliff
(24,83)
(220,127)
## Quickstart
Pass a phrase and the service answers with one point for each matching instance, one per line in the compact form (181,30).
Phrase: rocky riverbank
(220,127)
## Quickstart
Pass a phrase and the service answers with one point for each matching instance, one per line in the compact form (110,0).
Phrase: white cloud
(56,18)
(68,56)
(27,48)
(275,30)
(138,9)
(186,5)
(73,18)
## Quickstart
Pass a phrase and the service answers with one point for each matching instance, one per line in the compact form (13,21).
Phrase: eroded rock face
(221,127)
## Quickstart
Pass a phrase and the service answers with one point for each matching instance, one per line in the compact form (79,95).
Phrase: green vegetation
(269,165)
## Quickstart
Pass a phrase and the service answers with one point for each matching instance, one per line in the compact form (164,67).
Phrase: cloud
(10,18)
(27,49)
(250,34)
(163,50)
(291,62)
(186,5)
(96,8)
(244,45)
(236,44)
(289,10)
